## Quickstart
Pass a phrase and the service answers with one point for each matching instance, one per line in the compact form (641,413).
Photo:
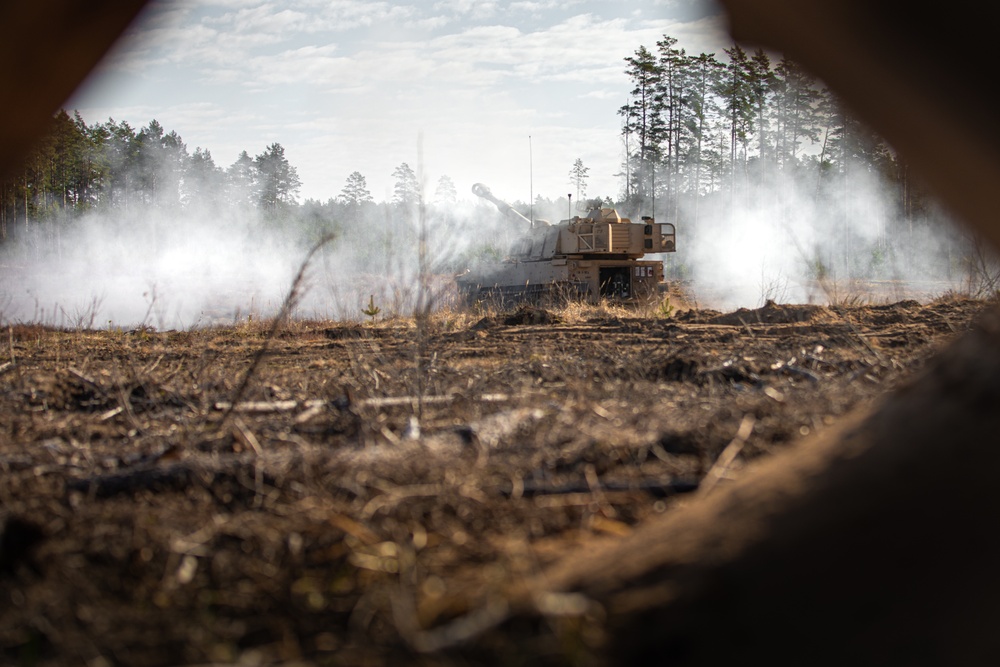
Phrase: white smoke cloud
(800,241)
(185,270)
(149,268)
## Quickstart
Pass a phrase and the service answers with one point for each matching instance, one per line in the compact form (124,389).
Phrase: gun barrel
(481,190)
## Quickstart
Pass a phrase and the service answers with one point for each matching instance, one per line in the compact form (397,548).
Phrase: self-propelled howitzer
(593,257)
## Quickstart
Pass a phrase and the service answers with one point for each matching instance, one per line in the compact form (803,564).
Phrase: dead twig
(392,497)
(528,489)
(111,414)
(798,371)
(85,379)
(260,407)
(314,405)
(728,455)
(390,401)
(464,628)
(594,484)
(246,437)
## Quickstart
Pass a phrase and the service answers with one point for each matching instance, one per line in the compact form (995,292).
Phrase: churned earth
(369,493)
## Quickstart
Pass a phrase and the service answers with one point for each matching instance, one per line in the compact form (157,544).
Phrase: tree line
(113,167)
(696,125)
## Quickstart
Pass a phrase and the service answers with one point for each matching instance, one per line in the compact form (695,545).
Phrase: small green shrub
(372,310)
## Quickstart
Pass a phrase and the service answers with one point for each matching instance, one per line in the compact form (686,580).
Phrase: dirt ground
(366,493)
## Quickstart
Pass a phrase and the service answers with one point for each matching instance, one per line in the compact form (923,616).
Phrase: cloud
(600,95)
(267,19)
(538,6)
(430,23)
(229,42)
(306,65)
(476,9)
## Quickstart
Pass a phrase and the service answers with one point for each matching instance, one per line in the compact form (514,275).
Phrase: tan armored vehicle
(594,257)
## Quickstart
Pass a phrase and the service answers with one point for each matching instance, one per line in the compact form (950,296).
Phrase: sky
(505,93)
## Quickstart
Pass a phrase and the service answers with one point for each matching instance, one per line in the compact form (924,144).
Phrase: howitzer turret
(597,256)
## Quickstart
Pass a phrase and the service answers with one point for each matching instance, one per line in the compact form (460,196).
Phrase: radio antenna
(531,184)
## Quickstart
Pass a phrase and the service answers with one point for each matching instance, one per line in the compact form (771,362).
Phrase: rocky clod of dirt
(773,313)
(531,315)
(525,314)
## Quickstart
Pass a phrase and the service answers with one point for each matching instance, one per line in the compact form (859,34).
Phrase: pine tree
(578,179)
(66,177)
(278,181)
(673,64)
(445,192)
(122,154)
(241,182)
(150,161)
(761,82)
(93,163)
(734,88)
(204,184)
(705,71)
(406,192)
(796,101)
(355,192)
(643,116)
(174,164)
